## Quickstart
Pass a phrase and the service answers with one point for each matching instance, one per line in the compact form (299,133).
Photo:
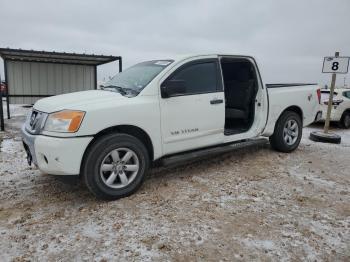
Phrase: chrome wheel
(119,168)
(290,132)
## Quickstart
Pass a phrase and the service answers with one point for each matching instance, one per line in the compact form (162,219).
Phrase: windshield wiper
(122,90)
(130,90)
(118,88)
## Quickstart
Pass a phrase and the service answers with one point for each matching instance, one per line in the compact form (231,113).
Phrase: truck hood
(77,100)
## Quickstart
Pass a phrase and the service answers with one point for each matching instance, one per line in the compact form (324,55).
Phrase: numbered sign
(338,65)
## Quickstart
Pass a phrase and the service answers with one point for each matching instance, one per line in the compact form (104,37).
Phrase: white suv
(341,106)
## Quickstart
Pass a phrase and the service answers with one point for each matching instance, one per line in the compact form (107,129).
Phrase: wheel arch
(345,111)
(270,130)
(277,139)
(124,129)
(295,109)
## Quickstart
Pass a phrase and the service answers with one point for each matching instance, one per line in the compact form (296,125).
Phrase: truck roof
(187,56)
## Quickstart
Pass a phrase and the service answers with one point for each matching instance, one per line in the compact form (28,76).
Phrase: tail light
(319,95)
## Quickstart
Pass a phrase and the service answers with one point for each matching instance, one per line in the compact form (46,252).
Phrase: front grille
(35,122)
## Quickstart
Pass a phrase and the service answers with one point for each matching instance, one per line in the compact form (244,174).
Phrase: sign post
(2,124)
(335,65)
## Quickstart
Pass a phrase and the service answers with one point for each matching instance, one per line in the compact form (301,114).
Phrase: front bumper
(55,155)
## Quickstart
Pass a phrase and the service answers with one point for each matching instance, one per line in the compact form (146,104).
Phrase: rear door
(261,103)
(194,118)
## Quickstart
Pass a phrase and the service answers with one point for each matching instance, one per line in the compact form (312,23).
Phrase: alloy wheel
(290,132)
(119,168)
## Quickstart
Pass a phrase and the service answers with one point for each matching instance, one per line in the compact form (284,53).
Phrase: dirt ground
(249,205)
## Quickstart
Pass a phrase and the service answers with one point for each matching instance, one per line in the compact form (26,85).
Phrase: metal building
(31,75)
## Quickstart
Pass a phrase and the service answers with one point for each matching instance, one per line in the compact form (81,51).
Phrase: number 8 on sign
(337,65)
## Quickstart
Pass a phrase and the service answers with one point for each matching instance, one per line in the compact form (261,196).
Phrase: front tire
(115,166)
(288,132)
(345,121)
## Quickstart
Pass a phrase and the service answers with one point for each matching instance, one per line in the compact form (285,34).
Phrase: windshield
(135,78)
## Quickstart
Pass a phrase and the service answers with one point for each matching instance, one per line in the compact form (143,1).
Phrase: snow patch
(9,146)
(259,244)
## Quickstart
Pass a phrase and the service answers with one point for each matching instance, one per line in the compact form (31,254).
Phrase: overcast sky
(289,38)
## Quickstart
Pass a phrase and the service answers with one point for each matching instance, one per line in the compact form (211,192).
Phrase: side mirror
(172,87)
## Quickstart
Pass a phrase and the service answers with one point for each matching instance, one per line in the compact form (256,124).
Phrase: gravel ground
(253,204)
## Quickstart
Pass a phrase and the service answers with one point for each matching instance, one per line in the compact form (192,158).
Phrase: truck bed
(298,96)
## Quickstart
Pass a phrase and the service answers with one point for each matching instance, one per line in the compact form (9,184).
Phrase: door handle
(216,101)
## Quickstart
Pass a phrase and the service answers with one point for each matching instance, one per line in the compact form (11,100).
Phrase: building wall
(31,78)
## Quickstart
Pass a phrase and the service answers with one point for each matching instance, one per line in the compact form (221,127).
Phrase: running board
(201,153)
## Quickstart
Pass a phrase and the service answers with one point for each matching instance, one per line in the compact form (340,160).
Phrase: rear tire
(345,120)
(288,132)
(115,166)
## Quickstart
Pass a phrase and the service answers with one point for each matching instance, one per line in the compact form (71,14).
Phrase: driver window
(199,78)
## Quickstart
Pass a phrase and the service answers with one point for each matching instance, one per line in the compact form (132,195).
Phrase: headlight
(64,121)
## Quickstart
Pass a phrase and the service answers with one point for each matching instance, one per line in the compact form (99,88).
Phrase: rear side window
(199,78)
(347,94)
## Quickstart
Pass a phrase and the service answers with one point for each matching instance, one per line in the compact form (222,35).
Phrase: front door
(194,118)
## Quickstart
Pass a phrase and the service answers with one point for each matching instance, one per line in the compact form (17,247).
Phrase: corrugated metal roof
(55,57)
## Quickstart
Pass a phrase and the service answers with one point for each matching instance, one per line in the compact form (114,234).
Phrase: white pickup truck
(163,110)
